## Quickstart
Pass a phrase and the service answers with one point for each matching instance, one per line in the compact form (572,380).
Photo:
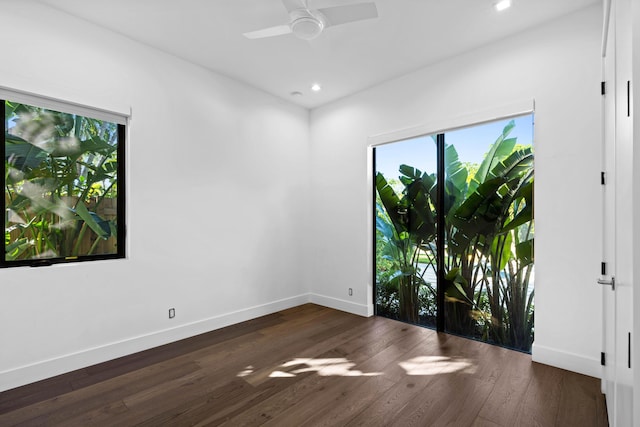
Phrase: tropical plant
(482,219)
(59,169)
(407,227)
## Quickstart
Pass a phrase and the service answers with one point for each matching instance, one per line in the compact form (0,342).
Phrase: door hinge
(603,179)
(603,88)
(603,268)
(603,359)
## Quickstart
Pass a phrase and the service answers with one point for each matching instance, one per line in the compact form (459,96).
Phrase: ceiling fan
(307,24)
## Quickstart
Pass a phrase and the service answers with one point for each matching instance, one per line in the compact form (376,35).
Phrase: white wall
(218,178)
(558,65)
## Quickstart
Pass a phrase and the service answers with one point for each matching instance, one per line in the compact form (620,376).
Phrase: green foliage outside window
(61,176)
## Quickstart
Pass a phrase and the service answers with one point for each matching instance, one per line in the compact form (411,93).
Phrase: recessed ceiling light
(316,87)
(296,93)
(502,5)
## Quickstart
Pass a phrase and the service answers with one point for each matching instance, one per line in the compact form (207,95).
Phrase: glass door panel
(405,259)
(488,277)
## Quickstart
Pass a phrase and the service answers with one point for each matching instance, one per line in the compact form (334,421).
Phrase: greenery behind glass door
(488,235)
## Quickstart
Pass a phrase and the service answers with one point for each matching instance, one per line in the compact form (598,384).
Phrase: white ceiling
(407,35)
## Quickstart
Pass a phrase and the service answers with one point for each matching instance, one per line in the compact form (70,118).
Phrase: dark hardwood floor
(311,366)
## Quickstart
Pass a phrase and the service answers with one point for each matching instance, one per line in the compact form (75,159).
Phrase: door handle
(611,282)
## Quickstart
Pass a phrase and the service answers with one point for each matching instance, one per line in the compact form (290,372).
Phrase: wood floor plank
(298,389)
(191,407)
(207,415)
(336,390)
(99,416)
(42,390)
(481,422)
(384,410)
(504,401)
(313,366)
(441,402)
(72,404)
(338,413)
(579,404)
(541,406)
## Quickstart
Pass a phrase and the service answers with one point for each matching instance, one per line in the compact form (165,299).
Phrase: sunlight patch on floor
(334,367)
(340,367)
(343,367)
(433,365)
(247,371)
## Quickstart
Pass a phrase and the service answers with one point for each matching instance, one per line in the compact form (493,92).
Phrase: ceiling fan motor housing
(306,24)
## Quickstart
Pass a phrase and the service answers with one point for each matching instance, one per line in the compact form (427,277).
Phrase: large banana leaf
(16,248)
(455,171)
(455,286)
(97,224)
(498,151)
(524,252)
(487,198)
(21,154)
(501,251)
(391,203)
(75,148)
(524,215)
(515,164)
(421,218)
(413,212)
(31,198)
(384,227)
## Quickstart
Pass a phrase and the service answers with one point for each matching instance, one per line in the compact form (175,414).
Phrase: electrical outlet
(350,292)
(172,313)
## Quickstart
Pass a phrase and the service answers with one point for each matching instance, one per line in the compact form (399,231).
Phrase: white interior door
(608,212)
(624,147)
(617,215)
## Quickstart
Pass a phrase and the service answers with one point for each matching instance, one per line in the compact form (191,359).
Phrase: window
(64,182)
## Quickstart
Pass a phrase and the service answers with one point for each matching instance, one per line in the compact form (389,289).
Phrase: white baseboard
(27,374)
(342,305)
(564,360)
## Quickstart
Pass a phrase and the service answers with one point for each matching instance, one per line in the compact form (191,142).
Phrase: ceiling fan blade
(268,32)
(339,15)
(294,4)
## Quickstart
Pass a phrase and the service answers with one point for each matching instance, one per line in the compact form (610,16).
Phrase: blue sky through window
(471,143)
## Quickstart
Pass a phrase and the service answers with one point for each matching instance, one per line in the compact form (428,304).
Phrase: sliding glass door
(406,250)
(454,231)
